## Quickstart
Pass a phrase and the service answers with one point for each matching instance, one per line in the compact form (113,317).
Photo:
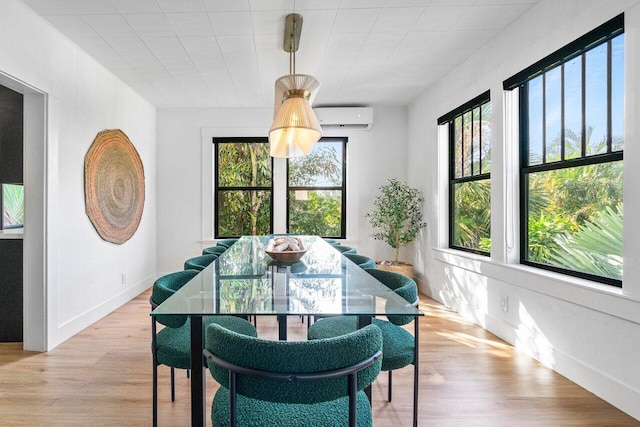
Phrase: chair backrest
(166,286)
(401,285)
(216,250)
(199,263)
(345,249)
(332,241)
(361,260)
(294,357)
(226,242)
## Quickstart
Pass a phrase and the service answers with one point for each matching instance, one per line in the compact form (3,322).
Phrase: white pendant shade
(295,129)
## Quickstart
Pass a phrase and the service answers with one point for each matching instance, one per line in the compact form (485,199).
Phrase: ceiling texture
(228,53)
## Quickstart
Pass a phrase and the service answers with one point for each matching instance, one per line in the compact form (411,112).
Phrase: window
(243,187)
(12,203)
(316,196)
(470,175)
(571,149)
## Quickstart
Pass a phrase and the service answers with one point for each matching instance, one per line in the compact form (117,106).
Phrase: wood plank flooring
(468,377)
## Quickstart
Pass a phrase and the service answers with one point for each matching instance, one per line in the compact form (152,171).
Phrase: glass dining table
(245,281)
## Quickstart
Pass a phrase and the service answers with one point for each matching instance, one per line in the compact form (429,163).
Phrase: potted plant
(397,220)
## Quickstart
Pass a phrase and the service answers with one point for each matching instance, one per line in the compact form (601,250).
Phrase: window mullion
(609,139)
(544,118)
(583,131)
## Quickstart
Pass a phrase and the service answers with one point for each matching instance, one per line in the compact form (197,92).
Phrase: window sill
(596,296)
(12,233)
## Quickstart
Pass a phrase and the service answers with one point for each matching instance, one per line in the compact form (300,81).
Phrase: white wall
(586,331)
(185,215)
(79,276)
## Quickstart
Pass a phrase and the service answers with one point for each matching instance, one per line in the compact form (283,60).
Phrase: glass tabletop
(244,280)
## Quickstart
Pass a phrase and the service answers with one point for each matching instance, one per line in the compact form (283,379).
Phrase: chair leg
(390,386)
(188,373)
(173,386)
(155,394)
(416,364)
(415,395)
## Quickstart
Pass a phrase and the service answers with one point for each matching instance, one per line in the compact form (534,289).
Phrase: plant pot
(396,267)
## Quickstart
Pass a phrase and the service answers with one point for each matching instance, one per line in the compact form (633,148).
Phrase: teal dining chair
(360,260)
(292,383)
(332,241)
(170,346)
(215,250)
(227,243)
(399,348)
(200,262)
(345,249)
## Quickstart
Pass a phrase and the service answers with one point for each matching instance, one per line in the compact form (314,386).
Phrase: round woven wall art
(113,186)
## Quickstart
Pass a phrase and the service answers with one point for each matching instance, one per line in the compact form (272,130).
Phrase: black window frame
(595,38)
(342,188)
(449,120)
(217,189)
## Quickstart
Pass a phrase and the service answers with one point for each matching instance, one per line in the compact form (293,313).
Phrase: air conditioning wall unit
(345,117)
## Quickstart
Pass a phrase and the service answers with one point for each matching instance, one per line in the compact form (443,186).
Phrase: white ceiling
(228,53)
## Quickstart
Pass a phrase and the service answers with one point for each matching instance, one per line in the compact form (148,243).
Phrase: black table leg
(198,384)
(282,328)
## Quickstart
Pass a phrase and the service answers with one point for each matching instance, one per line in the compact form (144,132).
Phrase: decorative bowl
(286,256)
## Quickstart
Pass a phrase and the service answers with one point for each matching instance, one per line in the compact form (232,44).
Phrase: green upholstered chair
(360,260)
(199,263)
(332,241)
(171,345)
(399,346)
(215,250)
(292,383)
(226,242)
(345,249)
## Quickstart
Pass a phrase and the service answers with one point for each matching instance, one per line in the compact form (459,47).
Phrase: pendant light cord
(292,52)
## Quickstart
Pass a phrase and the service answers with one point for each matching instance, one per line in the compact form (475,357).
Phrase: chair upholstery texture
(166,286)
(171,346)
(403,286)
(345,249)
(399,346)
(200,262)
(253,412)
(332,241)
(215,250)
(264,401)
(361,260)
(227,243)
(397,343)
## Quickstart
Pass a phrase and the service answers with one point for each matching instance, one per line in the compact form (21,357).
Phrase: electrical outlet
(124,279)
(504,303)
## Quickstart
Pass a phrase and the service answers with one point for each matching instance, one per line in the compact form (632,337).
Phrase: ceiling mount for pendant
(292,31)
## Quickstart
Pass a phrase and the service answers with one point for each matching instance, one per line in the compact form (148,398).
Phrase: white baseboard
(608,389)
(89,317)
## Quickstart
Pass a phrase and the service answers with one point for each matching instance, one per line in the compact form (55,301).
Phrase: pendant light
(295,127)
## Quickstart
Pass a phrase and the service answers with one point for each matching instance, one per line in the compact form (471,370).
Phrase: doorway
(34,254)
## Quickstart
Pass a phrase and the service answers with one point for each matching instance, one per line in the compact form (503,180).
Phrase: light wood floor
(468,377)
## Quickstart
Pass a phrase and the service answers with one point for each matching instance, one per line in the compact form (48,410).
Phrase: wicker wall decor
(113,186)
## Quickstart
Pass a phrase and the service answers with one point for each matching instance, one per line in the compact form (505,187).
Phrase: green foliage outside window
(572,163)
(471,183)
(243,196)
(316,188)
(12,205)
(575,215)
(244,189)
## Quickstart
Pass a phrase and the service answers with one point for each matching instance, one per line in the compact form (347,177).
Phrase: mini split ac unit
(345,117)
